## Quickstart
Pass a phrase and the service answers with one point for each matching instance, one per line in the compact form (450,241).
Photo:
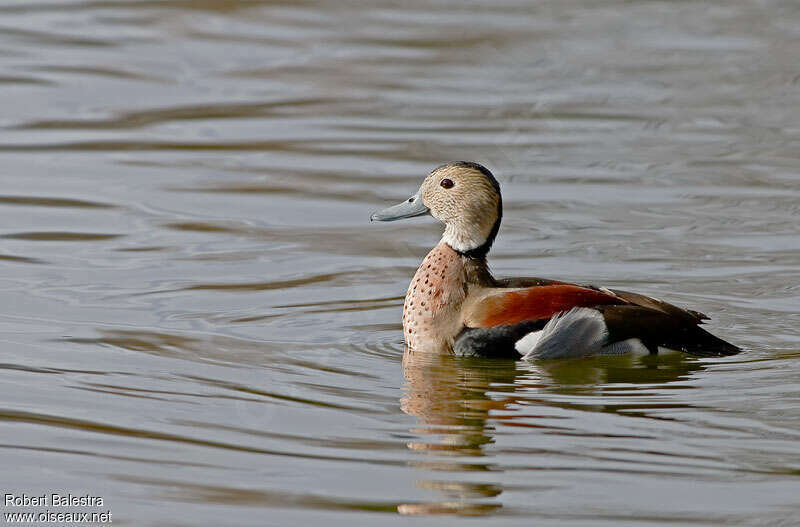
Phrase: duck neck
(473,237)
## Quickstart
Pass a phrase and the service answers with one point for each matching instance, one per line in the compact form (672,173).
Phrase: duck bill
(408,209)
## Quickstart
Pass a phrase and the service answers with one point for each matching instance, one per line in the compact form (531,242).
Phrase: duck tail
(703,344)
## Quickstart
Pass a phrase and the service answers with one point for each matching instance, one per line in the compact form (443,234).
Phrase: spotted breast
(433,301)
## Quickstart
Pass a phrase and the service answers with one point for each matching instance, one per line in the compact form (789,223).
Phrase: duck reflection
(450,396)
(459,402)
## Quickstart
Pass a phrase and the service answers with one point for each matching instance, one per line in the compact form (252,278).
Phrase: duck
(455,305)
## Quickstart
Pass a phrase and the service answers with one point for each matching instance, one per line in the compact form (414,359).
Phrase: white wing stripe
(579,332)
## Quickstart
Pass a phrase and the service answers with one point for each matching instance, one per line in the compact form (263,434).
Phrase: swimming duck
(455,305)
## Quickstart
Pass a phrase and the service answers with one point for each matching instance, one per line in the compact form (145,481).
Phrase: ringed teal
(455,305)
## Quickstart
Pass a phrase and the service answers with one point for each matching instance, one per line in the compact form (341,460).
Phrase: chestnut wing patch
(535,303)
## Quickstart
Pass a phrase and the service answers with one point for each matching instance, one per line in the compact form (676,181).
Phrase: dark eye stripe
(447,183)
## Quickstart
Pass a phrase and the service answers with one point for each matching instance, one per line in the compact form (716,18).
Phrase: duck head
(465,197)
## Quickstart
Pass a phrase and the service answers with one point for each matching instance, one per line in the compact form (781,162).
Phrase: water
(200,325)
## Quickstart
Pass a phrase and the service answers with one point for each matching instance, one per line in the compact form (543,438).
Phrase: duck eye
(447,183)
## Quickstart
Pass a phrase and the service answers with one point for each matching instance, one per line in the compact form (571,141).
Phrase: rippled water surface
(200,325)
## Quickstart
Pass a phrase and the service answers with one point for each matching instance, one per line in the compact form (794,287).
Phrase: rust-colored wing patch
(535,303)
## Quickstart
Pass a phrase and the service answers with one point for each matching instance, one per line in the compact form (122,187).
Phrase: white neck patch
(465,236)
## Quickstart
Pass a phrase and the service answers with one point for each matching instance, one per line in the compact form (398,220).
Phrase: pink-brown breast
(431,312)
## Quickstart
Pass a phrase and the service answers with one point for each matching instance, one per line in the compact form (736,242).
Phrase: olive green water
(200,325)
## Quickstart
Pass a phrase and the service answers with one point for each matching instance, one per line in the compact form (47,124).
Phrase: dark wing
(659,305)
(534,303)
(656,327)
(527,282)
(504,317)
(626,296)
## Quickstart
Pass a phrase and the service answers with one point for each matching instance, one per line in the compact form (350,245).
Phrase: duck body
(455,305)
